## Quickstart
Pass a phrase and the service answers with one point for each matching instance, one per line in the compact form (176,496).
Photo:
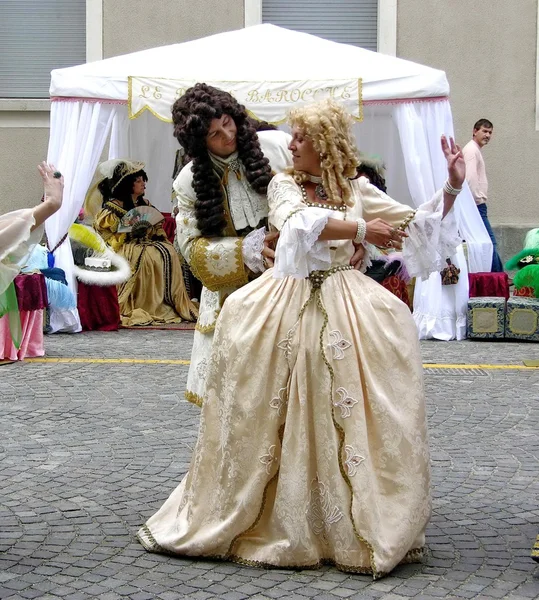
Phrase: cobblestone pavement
(89,450)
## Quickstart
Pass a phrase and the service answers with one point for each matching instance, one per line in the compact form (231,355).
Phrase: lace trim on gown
(431,239)
(251,249)
(299,251)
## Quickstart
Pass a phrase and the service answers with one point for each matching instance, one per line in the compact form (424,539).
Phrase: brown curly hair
(192,114)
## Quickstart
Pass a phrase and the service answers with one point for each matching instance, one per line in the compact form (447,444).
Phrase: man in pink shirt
(476,176)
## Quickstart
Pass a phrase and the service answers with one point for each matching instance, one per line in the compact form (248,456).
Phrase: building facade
(487,48)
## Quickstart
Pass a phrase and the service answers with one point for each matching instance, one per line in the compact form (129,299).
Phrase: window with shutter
(347,21)
(37,36)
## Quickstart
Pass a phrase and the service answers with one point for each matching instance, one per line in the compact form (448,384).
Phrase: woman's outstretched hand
(53,185)
(53,193)
(456,167)
(382,234)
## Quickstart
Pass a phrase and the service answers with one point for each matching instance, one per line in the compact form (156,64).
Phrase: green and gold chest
(522,319)
(486,318)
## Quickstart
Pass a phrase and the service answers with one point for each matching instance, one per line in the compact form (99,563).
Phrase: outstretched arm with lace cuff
(432,237)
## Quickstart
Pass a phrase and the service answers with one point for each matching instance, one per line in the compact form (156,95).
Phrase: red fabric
(397,287)
(31,291)
(32,336)
(525,291)
(489,284)
(98,307)
(169,225)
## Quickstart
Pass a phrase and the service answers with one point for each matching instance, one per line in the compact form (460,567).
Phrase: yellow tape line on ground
(171,361)
(129,361)
(490,367)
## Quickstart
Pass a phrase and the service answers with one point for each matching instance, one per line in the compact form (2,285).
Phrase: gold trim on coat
(198,262)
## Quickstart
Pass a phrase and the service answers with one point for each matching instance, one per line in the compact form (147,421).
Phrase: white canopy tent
(405,109)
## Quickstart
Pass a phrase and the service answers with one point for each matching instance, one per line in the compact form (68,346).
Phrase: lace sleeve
(431,239)
(299,251)
(284,198)
(251,249)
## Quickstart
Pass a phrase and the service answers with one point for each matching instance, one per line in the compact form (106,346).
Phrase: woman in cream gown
(312,446)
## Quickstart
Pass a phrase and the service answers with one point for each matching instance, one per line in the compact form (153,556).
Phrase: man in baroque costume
(222,205)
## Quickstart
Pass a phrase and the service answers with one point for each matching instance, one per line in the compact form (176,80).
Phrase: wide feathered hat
(115,171)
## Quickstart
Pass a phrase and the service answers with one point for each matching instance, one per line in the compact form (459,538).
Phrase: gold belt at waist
(317,278)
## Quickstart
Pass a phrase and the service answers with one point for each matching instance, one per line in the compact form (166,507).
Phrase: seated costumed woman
(155,293)
(312,445)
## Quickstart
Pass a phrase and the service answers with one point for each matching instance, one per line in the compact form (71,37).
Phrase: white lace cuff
(251,249)
(431,239)
(299,251)
(367,259)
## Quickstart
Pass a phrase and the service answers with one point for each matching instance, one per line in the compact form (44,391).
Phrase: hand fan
(147,214)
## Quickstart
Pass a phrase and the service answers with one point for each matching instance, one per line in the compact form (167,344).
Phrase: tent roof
(259,53)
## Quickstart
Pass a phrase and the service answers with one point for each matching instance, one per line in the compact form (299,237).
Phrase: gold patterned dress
(155,293)
(312,446)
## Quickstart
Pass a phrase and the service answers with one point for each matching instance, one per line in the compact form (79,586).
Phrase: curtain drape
(439,311)
(78,134)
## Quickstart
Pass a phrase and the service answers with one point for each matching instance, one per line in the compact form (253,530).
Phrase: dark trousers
(497,266)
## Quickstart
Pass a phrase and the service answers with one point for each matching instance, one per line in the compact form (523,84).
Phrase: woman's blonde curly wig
(329,126)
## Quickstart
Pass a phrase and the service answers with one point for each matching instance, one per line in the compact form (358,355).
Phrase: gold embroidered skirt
(312,445)
(155,293)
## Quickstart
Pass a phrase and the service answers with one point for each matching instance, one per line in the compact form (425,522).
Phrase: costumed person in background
(312,445)
(20,231)
(526,280)
(155,292)
(59,296)
(222,205)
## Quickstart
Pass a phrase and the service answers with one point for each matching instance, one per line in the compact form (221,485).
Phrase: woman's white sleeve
(431,238)
(299,251)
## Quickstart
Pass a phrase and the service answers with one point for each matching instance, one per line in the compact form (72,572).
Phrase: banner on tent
(266,100)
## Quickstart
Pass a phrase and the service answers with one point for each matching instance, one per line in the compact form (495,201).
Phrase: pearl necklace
(340,207)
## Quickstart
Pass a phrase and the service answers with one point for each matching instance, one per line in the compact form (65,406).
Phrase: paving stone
(88,453)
